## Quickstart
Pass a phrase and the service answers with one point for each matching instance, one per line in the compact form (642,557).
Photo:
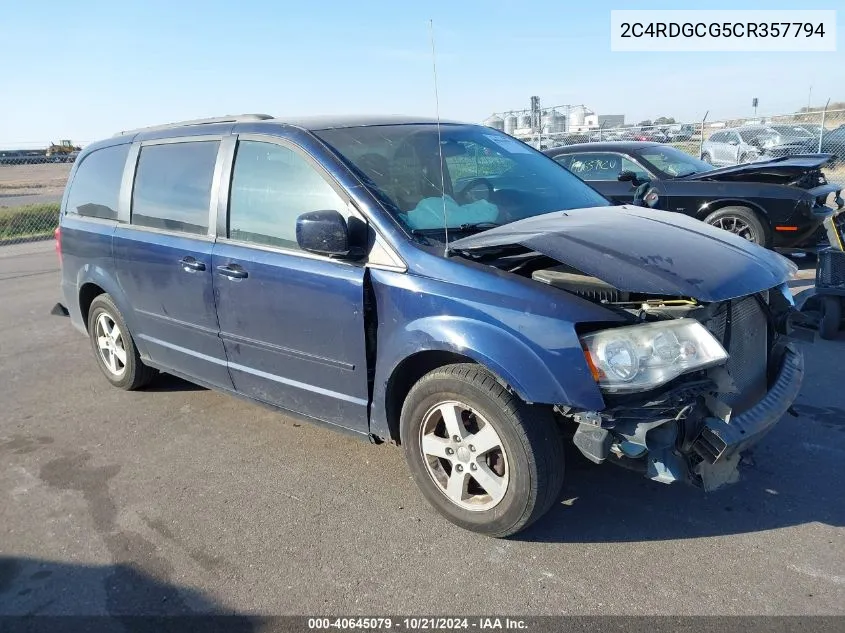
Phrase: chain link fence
(730,141)
(32,178)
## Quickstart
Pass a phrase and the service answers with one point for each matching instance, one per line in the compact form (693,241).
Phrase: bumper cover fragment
(719,440)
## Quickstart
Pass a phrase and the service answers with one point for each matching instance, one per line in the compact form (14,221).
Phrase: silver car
(755,142)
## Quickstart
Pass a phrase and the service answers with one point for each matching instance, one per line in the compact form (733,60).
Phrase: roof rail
(229,118)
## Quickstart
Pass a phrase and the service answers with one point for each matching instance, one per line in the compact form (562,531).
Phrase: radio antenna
(439,142)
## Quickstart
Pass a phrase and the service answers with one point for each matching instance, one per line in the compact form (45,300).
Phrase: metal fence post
(821,131)
(701,135)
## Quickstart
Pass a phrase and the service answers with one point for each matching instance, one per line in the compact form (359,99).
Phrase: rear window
(95,189)
(173,186)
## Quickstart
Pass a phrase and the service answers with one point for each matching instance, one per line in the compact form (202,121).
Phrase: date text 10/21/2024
(418,623)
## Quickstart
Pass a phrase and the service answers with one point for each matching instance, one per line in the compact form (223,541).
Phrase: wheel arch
(715,205)
(92,281)
(87,293)
(407,373)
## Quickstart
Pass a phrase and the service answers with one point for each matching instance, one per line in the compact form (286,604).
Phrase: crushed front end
(694,427)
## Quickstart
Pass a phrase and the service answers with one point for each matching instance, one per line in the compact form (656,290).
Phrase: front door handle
(190,264)
(232,271)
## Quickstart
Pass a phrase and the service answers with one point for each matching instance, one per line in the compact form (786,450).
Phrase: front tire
(706,158)
(482,457)
(114,348)
(740,221)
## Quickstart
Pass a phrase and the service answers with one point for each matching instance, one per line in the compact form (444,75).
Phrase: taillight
(58,235)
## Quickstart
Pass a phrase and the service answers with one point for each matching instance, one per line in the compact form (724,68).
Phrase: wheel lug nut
(472,448)
(473,467)
(457,438)
(459,468)
(450,451)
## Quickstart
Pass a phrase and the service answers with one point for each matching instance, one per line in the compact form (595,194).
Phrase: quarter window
(95,189)
(173,186)
(272,186)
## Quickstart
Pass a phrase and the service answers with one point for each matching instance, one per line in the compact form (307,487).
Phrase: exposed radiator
(748,346)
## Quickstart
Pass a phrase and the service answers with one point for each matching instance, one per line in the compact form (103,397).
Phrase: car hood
(644,251)
(784,169)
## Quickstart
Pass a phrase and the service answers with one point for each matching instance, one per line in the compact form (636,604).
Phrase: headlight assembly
(640,357)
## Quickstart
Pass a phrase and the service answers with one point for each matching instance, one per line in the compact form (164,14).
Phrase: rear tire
(741,221)
(494,481)
(706,158)
(831,317)
(114,348)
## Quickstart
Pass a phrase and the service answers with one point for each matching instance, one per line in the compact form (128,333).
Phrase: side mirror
(323,233)
(627,176)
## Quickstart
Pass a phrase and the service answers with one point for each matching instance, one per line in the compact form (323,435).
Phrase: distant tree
(834,105)
(664,120)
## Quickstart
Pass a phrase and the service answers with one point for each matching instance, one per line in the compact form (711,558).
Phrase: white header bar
(723,30)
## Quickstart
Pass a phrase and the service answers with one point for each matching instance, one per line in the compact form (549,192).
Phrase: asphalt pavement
(178,499)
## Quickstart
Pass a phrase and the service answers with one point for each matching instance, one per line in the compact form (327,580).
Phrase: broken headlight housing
(641,357)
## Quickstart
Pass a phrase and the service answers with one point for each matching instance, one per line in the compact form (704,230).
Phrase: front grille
(743,329)
(831,269)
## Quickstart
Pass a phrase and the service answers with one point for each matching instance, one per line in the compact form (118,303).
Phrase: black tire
(706,158)
(759,231)
(831,318)
(743,158)
(134,373)
(529,435)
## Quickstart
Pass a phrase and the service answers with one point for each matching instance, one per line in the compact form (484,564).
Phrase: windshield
(489,178)
(673,162)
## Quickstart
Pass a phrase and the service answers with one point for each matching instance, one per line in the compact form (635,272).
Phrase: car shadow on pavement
(42,593)
(790,480)
(167,382)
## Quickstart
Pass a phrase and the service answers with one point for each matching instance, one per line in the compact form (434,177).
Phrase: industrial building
(555,120)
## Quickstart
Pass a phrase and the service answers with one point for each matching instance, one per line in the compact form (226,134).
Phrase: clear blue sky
(83,69)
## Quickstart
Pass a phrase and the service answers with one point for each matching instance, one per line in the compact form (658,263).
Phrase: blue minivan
(437,285)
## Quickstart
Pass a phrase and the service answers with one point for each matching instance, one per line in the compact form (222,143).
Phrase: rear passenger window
(95,189)
(271,187)
(173,186)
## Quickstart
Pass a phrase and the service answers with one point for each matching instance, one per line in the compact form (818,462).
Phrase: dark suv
(443,286)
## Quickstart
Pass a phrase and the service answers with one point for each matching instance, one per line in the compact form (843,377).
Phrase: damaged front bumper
(721,441)
(681,435)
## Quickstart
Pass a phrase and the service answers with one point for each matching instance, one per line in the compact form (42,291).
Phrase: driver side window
(602,166)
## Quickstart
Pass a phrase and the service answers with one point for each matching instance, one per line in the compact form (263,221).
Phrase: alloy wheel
(464,456)
(737,226)
(110,345)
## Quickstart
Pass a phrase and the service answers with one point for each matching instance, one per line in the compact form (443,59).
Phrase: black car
(779,203)
(833,142)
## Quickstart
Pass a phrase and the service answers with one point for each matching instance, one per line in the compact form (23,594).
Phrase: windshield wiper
(463,228)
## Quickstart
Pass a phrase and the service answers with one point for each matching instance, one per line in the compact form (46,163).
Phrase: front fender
(505,355)
(558,376)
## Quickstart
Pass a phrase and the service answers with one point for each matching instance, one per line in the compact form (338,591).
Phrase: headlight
(641,357)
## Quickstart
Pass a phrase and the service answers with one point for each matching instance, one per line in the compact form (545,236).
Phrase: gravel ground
(32,184)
